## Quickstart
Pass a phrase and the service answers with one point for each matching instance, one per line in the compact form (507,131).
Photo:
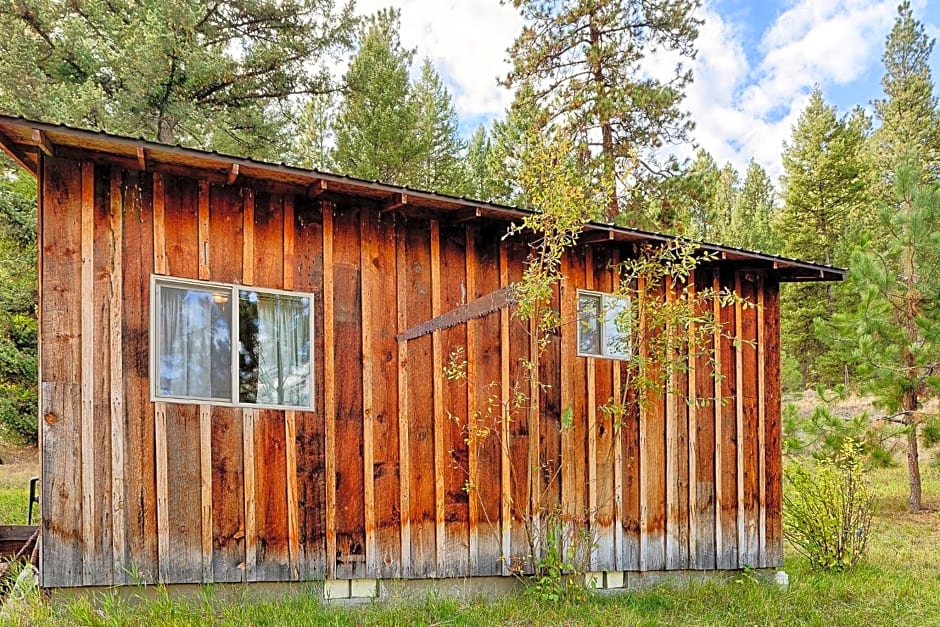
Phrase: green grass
(14,492)
(897,583)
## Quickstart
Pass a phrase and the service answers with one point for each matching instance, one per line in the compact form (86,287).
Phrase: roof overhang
(25,140)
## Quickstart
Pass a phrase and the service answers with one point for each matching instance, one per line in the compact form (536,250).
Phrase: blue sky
(756,65)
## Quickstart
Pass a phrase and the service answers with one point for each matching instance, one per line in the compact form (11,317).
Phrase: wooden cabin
(242,371)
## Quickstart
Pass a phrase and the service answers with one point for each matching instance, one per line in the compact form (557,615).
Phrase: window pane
(616,326)
(589,331)
(194,347)
(274,349)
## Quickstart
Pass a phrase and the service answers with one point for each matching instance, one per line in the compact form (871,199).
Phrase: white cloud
(741,110)
(750,112)
(467,41)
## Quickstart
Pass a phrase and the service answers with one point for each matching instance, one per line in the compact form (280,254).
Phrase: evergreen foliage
(18,329)
(375,126)
(217,75)
(910,120)
(826,192)
(582,60)
(893,330)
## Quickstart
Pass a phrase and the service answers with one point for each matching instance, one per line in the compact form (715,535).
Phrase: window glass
(194,345)
(589,324)
(616,312)
(274,349)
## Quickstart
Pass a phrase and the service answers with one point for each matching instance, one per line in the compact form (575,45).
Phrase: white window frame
(604,323)
(158,281)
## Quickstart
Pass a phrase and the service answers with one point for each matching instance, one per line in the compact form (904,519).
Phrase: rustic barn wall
(399,471)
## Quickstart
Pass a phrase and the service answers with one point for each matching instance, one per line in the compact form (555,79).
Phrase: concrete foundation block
(336,589)
(364,588)
(613,579)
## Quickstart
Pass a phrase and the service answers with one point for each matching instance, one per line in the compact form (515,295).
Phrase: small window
(231,345)
(603,325)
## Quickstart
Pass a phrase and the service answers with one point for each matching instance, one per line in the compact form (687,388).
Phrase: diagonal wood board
(485,305)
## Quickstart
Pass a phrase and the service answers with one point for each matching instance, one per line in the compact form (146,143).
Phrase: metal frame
(602,339)
(158,281)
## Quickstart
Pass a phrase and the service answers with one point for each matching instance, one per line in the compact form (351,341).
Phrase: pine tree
(481,182)
(910,121)
(753,212)
(582,59)
(826,195)
(893,329)
(438,135)
(209,75)
(375,138)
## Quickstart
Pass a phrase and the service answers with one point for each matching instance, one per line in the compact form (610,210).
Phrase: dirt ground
(17,465)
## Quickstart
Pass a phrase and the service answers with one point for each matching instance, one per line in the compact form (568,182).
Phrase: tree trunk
(913,470)
(608,158)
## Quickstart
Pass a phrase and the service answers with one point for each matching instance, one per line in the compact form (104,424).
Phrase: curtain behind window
(281,350)
(194,343)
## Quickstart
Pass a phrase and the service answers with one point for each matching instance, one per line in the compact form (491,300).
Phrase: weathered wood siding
(399,471)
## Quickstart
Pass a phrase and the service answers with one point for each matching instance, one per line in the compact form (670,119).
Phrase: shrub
(827,509)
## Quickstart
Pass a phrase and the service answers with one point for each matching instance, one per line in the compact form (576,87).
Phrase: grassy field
(19,465)
(898,583)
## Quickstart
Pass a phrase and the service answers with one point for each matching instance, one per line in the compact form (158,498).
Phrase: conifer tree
(440,146)
(219,75)
(375,138)
(826,193)
(753,212)
(910,121)
(893,328)
(582,60)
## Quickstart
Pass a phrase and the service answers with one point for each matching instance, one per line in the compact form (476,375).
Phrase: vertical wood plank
(163,515)
(270,438)
(205,411)
(692,429)
(569,316)
(402,289)
(618,437)
(773,460)
(227,532)
(505,479)
(484,352)
(116,380)
(248,414)
(290,416)
(350,517)
(310,458)
(739,418)
(455,397)
(672,449)
(762,560)
(422,390)
(140,470)
(205,472)
(437,367)
(180,424)
(380,393)
(60,406)
(473,407)
(592,460)
(329,391)
(643,440)
(716,406)
(102,573)
(368,253)
(160,450)
(248,457)
(90,550)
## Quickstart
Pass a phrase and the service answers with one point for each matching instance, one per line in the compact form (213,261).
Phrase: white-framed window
(603,325)
(230,344)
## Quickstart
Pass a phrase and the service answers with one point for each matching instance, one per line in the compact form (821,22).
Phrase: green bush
(827,509)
